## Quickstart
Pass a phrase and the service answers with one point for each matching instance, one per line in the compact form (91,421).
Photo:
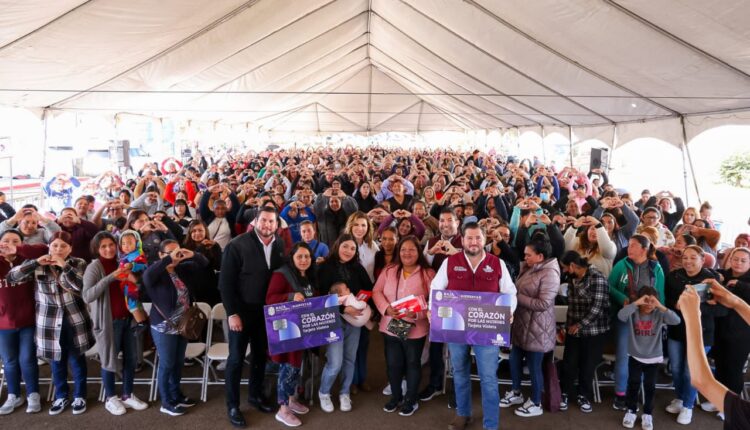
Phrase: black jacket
(161,289)
(732,328)
(674,286)
(244,273)
(353,274)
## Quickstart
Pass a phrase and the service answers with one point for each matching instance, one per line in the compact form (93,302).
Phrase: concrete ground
(367,411)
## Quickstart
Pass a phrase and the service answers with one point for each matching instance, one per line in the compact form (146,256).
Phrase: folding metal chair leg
(154,373)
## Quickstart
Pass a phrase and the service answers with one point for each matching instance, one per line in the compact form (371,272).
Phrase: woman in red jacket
(292,282)
(17,347)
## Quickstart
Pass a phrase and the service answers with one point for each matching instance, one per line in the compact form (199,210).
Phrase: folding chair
(194,351)
(561,317)
(215,351)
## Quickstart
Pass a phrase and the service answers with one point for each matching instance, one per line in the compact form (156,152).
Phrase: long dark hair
(333,256)
(188,242)
(310,272)
(132,217)
(98,239)
(644,242)
(421,260)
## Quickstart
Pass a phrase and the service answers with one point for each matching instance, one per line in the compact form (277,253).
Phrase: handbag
(400,328)
(552,394)
(191,323)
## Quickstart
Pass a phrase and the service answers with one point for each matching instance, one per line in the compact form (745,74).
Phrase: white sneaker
(647,422)
(511,398)
(325,402)
(685,417)
(387,390)
(675,406)
(134,402)
(529,409)
(628,421)
(114,406)
(720,416)
(11,403)
(33,403)
(708,407)
(345,403)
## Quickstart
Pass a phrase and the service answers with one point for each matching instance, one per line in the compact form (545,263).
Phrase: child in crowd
(646,318)
(132,256)
(346,298)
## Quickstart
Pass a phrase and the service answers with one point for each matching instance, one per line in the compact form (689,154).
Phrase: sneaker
(584,405)
(619,404)
(58,406)
(287,418)
(647,422)
(134,402)
(387,390)
(408,409)
(675,406)
(511,398)
(429,393)
(325,402)
(297,407)
(186,402)
(720,416)
(345,403)
(392,405)
(685,417)
(33,403)
(11,403)
(174,411)
(628,421)
(79,406)
(222,366)
(564,402)
(114,406)
(529,409)
(708,407)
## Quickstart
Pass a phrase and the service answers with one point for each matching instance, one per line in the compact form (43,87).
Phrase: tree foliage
(735,170)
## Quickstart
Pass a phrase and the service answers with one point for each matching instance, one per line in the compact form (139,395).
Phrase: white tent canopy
(384,65)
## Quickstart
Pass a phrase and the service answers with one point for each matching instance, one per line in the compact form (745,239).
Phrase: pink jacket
(389,288)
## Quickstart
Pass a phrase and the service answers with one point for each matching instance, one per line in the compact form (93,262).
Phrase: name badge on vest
(459,269)
(487,269)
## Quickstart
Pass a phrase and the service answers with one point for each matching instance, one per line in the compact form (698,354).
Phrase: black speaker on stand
(599,159)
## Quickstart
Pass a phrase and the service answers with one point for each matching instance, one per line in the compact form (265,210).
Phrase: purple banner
(470,318)
(294,326)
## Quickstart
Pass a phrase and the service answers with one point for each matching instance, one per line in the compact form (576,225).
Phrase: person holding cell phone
(731,346)
(692,273)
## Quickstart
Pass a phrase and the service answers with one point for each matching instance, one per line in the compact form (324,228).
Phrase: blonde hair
(369,236)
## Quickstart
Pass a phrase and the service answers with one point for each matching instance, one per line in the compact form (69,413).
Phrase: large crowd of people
(248,229)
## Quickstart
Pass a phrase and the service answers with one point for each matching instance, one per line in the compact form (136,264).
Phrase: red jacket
(485,279)
(17,305)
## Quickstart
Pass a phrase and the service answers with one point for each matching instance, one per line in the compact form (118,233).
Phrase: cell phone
(704,292)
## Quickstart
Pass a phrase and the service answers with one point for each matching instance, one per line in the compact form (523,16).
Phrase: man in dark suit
(246,268)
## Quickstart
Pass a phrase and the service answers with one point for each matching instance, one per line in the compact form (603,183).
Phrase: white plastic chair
(561,317)
(215,351)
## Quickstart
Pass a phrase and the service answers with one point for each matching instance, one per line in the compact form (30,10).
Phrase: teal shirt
(618,282)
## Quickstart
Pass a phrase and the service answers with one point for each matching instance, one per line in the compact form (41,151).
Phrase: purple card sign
(470,318)
(293,326)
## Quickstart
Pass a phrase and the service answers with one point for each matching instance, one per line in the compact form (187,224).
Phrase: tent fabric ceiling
(379,65)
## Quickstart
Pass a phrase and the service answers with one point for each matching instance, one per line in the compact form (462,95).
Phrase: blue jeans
(678,365)
(534,361)
(487,358)
(341,356)
(124,340)
(360,363)
(287,382)
(171,349)
(621,360)
(77,365)
(18,351)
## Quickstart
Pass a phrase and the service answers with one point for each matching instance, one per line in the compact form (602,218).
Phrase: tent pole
(570,139)
(614,145)
(544,148)
(45,119)
(686,152)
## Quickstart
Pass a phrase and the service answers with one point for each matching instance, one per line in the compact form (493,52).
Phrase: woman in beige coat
(533,330)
